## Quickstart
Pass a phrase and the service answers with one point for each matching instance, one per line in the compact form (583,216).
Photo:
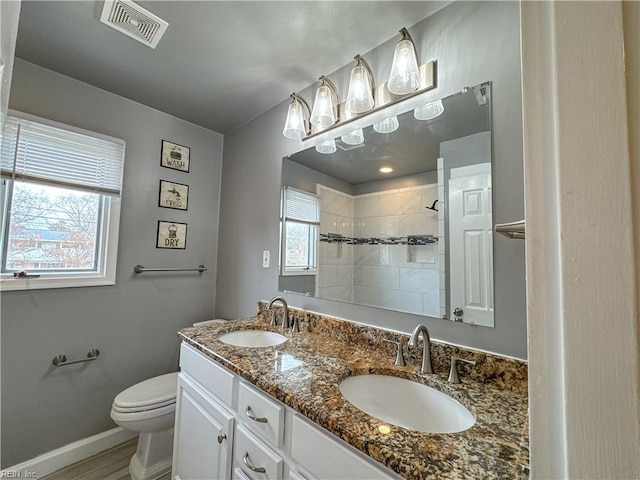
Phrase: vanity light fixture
(326,148)
(361,84)
(355,137)
(325,105)
(405,74)
(407,80)
(387,125)
(296,126)
(429,111)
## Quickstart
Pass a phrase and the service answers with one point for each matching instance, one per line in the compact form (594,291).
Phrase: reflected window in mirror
(300,222)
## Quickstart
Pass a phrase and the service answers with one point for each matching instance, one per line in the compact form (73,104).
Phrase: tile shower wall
(335,266)
(442,245)
(399,277)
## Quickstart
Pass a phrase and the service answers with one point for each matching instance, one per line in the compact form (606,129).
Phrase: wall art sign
(175,156)
(172,235)
(173,195)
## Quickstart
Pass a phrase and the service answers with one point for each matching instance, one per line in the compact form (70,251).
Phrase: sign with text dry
(175,156)
(173,195)
(172,235)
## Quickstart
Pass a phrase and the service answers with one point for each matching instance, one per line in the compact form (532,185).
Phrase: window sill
(8,284)
(296,273)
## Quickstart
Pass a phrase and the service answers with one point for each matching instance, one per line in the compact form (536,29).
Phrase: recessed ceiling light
(386,169)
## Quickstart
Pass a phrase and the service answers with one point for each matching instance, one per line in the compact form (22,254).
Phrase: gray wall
(306,179)
(472,42)
(133,323)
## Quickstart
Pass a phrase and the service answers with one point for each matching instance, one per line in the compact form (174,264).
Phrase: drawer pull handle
(246,461)
(222,437)
(254,418)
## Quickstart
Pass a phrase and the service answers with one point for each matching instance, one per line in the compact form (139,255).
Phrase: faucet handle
(274,318)
(453,373)
(295,325)
(399,352)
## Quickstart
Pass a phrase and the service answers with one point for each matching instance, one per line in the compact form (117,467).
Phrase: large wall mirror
(399,216)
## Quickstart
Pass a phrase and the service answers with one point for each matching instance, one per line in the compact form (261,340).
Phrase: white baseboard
(71,453)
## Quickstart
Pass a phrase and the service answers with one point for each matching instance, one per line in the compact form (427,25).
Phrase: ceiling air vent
(345,147)
(134,21)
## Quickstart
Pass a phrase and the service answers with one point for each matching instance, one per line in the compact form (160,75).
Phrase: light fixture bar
(383,98)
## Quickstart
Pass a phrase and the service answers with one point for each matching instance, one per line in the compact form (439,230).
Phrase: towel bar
(61,360)
(142,268)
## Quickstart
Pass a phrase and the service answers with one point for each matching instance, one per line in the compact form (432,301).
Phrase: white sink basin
(252,338)
(406,403)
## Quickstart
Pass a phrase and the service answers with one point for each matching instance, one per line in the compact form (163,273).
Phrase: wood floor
(112,464)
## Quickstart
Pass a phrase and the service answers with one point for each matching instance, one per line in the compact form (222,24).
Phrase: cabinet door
(203,435)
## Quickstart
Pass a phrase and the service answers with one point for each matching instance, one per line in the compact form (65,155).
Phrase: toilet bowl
(149,408)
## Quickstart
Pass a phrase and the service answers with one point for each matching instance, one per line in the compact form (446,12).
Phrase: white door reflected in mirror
(470,245)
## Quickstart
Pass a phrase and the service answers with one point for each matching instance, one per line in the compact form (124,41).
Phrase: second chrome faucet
(285,315)
(426,347)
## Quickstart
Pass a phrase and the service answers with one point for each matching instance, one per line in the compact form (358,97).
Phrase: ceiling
(219,64)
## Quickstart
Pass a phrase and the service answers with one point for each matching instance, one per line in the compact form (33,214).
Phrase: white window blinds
(301,207)
(38,151)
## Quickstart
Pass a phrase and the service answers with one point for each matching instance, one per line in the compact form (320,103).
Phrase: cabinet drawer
(328,457)
(207,373)
(258,461)
(261,414)
(294,475)
(238,474)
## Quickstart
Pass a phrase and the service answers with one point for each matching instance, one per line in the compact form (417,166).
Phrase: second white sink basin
(406,403)
(252,338)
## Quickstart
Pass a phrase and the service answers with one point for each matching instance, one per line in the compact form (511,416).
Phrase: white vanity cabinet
(265,440)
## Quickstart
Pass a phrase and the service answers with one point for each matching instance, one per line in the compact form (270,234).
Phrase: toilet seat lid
(156,391)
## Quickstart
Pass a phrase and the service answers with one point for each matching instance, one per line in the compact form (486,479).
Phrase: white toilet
(149,407)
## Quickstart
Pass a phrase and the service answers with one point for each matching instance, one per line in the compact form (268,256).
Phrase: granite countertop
(304,374)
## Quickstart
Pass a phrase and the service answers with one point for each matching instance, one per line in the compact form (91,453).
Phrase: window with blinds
(61,203)
(300,222)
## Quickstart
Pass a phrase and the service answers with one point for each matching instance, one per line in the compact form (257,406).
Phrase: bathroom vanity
(226,428)
(277,411)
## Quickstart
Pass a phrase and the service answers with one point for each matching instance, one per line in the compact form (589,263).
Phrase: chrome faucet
(426,347)
(285,311)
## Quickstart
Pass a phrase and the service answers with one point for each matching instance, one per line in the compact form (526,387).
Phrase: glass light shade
(360,96)
(387,125)
(405,75)
(353,138)
(294,126)
(327,147)
(429,111)
(322,114)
